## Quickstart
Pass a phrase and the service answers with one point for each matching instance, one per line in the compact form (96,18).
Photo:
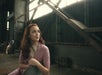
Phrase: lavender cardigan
(42,55)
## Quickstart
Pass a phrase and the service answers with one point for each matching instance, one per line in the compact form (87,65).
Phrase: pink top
(42,55)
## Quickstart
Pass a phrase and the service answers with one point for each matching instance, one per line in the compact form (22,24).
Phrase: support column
(19,19)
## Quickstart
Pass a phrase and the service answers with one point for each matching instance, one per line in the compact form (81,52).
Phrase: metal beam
(93,29)
(33,15)
(79,24)
(28,12)
(74,24)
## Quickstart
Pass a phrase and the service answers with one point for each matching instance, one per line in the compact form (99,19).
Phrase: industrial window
(7,27)
(44,9)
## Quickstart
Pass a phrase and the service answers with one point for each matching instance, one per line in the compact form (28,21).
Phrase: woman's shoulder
(44,49)
(43,46)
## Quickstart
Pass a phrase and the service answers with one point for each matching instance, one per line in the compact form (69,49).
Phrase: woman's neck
(35,44)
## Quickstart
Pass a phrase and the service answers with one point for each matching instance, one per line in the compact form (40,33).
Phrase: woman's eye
(35,31)
(39,31)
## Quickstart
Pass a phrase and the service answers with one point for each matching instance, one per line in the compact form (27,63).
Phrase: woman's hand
(33,61)
(43,69)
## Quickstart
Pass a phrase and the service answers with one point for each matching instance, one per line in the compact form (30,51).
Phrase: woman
(34,55)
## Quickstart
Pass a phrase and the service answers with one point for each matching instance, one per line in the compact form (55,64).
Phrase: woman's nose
(37,33)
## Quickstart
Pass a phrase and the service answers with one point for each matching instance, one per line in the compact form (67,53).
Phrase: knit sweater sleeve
(46,57)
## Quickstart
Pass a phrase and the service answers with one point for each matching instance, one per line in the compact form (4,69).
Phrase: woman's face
(35,33)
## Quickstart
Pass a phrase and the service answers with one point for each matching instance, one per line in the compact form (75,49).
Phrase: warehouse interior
(72,30)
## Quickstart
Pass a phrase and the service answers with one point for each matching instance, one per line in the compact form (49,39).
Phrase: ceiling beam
(74,24)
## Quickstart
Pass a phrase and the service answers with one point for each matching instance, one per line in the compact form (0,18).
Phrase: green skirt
(32,70)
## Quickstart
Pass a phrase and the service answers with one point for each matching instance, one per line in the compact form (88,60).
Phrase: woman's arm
(24,66)
(42,68)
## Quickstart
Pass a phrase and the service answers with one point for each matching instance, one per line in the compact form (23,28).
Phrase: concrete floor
(10,62)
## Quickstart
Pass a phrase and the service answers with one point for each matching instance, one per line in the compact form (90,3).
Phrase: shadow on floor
(10,62)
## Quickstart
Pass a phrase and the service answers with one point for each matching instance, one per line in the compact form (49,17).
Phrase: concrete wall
(82,56)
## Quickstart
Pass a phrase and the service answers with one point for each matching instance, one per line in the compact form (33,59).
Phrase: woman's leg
(15,72)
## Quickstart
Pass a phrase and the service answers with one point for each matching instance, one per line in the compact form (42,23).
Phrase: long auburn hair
(26,41)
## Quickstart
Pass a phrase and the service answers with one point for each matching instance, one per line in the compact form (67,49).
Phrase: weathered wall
(81,56)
